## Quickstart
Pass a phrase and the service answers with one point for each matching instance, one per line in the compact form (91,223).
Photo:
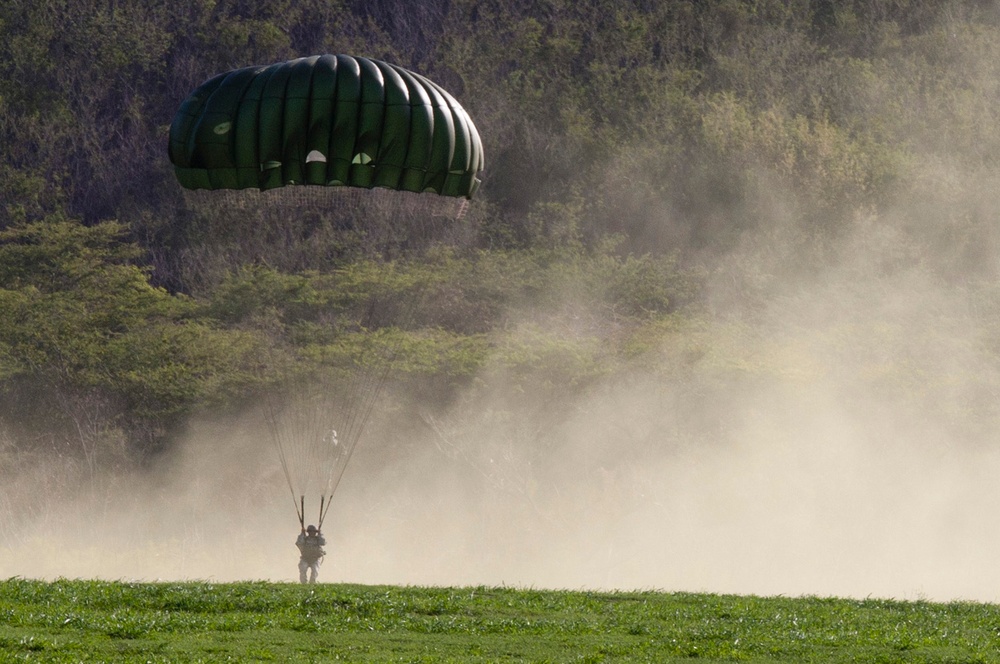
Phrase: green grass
(94,621)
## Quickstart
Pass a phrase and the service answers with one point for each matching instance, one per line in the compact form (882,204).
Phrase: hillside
(731,276)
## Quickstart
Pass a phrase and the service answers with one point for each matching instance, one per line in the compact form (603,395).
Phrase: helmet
(311,529)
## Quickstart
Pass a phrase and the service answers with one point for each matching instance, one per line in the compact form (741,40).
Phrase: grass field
(96,621)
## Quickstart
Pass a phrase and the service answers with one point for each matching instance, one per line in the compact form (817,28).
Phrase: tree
(91,351)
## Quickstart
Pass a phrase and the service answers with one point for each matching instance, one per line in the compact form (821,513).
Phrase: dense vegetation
(657,172)
(83,621)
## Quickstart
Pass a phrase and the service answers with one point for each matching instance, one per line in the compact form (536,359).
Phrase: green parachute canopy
(325,120)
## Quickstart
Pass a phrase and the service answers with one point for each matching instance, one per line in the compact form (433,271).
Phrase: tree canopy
(634,149)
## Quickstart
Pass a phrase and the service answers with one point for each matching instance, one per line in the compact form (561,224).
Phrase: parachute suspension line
(323,511)
(373,384)
(318,425)
(360,414)
(278,438)
(360,400)
(376,378)
(361,403)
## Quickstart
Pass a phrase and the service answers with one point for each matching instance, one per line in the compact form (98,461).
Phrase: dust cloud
(835,438)
(826,425)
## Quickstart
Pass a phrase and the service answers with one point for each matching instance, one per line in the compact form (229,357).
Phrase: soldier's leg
(303,566)
(313,572)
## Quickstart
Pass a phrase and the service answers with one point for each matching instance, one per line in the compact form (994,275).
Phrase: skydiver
(310,543)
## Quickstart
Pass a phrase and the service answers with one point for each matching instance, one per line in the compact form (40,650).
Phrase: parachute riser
(324,507)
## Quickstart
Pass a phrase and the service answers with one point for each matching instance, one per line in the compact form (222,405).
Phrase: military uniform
(310,543)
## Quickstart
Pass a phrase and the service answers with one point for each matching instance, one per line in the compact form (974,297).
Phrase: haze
(826,425)
(827,440)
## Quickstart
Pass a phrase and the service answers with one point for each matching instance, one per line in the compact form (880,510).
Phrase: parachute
(321,124)
(325,120)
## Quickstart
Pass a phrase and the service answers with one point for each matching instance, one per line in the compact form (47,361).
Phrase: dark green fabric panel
(321,105)
(214,134)
(469,181)
(189,147)
(181,145)
(418,150)
(461,159)
(348,79)
(440,127)
(247,130)
(347,107)
(369,132)
(269,136)
(463,154)
(477,141)
(395,135)
(418,158)
(295,121)
(443,145)
(193,178)
(211,136)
